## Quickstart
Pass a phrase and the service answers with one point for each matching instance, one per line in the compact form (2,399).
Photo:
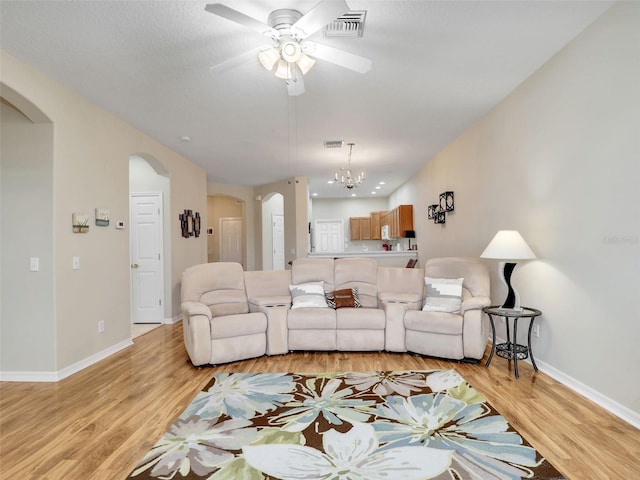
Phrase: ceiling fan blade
(295,86)
(239,17)
(323,13)
(339,57)
(236,61)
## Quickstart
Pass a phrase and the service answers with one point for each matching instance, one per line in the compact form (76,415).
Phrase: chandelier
(345,177)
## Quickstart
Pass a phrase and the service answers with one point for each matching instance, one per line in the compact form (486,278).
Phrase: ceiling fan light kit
(291,55)
(269,57)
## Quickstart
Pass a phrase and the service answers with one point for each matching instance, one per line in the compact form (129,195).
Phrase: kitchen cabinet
(376,225)
(400,220)
(360,228)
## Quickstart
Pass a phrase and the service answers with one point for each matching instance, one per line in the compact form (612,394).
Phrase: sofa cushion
(360,319)
(433,322)
(304,270)
(308,295)
(238,325)
(360,273)
(443,294)
(311,318)
(226,302)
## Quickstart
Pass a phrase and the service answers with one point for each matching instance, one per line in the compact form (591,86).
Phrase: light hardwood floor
(98,423)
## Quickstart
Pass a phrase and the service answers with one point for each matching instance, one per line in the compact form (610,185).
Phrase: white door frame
(277,237)
(160,240)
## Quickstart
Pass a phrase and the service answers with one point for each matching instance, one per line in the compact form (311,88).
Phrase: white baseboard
(65,372)
(619,410)
(172,320)
(605,402)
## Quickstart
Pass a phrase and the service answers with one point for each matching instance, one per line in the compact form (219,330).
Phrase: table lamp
(508,245)
(409,234)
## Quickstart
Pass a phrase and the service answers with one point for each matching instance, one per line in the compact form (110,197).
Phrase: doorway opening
(149,190)
(273,232)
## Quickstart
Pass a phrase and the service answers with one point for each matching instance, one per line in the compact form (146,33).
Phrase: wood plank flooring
(98,423)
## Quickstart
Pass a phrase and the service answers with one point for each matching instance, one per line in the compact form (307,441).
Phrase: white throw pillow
(308,295)
(443,294)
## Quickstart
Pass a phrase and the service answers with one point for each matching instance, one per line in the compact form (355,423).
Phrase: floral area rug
(342,426)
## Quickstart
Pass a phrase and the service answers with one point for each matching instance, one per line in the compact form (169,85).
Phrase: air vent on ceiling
(351,24)
(333,143)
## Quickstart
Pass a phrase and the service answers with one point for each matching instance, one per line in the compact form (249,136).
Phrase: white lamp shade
(269,57)
(305,63)
(282,70)
(508,245)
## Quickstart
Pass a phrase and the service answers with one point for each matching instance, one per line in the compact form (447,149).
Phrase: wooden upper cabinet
(354,228)
(375,226)
(400,220)
(384,218)
(365,228)
(360,228)
(405,219)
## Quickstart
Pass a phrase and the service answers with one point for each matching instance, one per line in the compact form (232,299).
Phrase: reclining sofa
(344,304)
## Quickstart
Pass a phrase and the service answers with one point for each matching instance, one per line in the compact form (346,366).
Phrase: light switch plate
(76,263)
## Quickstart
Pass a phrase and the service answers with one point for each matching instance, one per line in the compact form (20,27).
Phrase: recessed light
(382,183)
(314,194)
(330,182)
(353,194)
(378,187)
(185,139)
(374,192)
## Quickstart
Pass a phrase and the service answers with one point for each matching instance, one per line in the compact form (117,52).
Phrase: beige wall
(26,202)
(559,160)
(91,150)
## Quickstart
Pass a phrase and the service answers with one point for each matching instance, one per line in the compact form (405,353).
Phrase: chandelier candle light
(346,178)
(508,245)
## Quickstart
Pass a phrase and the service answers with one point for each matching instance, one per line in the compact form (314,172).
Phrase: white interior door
(231,240)
(329,236)
(277,223)
(147,291)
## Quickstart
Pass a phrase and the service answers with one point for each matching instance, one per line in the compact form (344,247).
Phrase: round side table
(512,350)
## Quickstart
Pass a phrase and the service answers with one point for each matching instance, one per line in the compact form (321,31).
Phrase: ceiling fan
(290,55)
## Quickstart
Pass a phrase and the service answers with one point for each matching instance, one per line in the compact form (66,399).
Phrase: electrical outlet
(536,331)
(101,326)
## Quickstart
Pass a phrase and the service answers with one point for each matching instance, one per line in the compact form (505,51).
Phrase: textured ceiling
(437,68)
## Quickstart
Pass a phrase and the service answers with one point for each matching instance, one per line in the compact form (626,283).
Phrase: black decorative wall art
(437,212)
(190,223)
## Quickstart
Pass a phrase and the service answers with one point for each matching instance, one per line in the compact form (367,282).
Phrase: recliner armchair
(462,335)
(217,325)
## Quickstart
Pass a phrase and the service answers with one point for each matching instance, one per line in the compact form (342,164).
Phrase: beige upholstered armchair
(458,334)
(217,325)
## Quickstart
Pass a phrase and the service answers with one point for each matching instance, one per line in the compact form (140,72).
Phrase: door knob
(134,265)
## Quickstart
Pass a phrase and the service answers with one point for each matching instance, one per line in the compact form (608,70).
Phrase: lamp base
(513,298)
